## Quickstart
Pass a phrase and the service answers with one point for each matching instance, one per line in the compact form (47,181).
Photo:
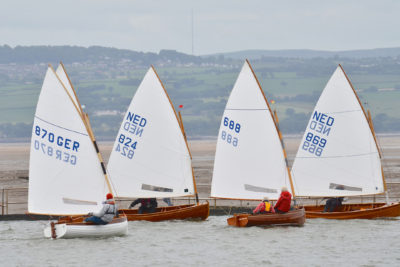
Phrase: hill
(306,53)
(107,78)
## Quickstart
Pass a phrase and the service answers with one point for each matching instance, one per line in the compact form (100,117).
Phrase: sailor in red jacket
(283,203)
(264,207)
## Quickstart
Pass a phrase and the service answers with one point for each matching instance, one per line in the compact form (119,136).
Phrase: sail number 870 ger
(126,146)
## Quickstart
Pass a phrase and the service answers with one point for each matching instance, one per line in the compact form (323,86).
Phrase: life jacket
(267,206)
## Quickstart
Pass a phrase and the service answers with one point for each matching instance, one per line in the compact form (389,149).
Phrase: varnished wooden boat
(355,211)
(182,212)
(292,218)
(78,228)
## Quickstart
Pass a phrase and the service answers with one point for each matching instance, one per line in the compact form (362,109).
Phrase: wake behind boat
(66,172)
(339,156)
(250,160)
(151,156)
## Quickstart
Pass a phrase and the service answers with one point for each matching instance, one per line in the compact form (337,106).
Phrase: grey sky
(219,25)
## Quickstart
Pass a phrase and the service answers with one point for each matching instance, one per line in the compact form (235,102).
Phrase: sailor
(264,207)
(106,214)
(147,205)
(283,203)
(333,203)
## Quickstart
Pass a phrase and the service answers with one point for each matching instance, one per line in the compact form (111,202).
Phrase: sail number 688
(229,138)
(232,125)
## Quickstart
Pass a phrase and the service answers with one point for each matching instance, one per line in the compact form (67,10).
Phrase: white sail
(338,155)
(150,157)
(65,176)
(249,160)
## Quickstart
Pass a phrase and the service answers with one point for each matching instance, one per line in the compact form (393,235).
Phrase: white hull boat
(118,227)
(66,170)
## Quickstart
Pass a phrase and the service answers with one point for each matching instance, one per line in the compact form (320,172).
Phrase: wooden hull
(355,211)
(118,227)
(182,212)
(295,217)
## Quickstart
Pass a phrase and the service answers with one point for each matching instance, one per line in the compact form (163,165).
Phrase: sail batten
(249,161)
(338,146)
(150,148)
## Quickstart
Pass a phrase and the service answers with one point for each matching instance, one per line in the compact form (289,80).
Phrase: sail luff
(72,87)
(172,106)
(265,98)
(86,122)
(274,119)
(362,108)
(69,95)
(180,122)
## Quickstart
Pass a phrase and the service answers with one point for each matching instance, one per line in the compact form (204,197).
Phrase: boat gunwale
(366,213)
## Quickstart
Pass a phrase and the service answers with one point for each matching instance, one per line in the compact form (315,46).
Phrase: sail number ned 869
(232,127)
(314,144)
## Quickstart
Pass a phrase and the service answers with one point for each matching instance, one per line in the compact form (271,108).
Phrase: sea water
(209,243)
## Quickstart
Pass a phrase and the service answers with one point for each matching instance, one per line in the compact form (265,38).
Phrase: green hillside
(202,85)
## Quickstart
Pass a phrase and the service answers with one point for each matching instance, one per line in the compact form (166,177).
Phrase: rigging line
(346,156)
(60,126)
(344,111)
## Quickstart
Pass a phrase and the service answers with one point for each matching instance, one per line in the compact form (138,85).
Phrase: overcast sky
(219,25)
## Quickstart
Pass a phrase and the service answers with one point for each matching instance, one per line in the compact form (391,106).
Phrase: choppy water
(209,243)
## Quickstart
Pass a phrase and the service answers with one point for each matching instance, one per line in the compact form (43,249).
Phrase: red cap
(109,196)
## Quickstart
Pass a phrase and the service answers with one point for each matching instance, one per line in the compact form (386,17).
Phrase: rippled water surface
(209,243)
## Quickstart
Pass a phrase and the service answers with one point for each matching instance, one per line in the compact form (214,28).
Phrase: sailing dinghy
(339,155)
(66,177)
(250,160)
(151,156)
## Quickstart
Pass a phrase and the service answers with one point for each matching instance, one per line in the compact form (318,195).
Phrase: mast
(85,119)
(284,153)
(194,180)
(371,125)
(277,128)
(182,131)
(89,127)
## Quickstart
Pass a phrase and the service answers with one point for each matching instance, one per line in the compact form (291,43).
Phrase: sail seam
(60,126)
(345,111)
